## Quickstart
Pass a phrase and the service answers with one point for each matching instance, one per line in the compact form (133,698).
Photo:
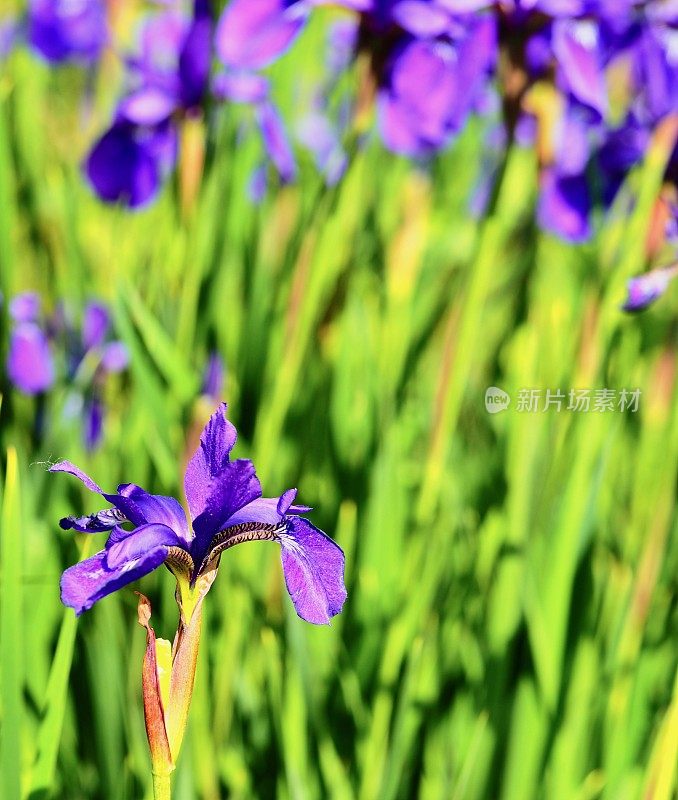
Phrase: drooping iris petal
(85,583)
(122,169)
(63,29)
(95,323)
(564,205)
(645,289)
(94,523)
(138,542)
(314,571)
(196,56)
(276,142)
(30,364)
(149,105)
(251,35)
(71,469)
(25,307)
(234,487)
(133,502)
(216,442)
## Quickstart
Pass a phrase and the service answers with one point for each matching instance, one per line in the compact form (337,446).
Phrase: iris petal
(314,571)
(216,442)
(139,542)
(232,489)
(252,35)
(85,583)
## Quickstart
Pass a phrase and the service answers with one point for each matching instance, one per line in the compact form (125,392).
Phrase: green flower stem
(162,789)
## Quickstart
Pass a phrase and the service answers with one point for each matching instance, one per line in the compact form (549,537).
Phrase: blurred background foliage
(511,625)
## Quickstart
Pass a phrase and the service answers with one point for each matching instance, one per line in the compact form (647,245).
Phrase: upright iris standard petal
(216,442)
(251,35)
(234,487)
(30,365)
(92,579)
(314,571)
(196,56)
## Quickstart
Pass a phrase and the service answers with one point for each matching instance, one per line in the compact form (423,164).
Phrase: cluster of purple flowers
(43,349)
(586,82)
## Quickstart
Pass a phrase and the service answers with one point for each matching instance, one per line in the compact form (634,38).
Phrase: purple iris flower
(226,508)
(249,37)
(30,362)
(645,289)
(62,30)
(130,161)
(88,354)
(430,61)
(109,357)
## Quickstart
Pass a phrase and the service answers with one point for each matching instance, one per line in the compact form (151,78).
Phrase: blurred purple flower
(645,289)
(131,160)
(30,363)
(226,508)
(319,135)
(87,354)
(25,307)
(108,358)
(249,37)
(430,62)
(213,377)
(61,30)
